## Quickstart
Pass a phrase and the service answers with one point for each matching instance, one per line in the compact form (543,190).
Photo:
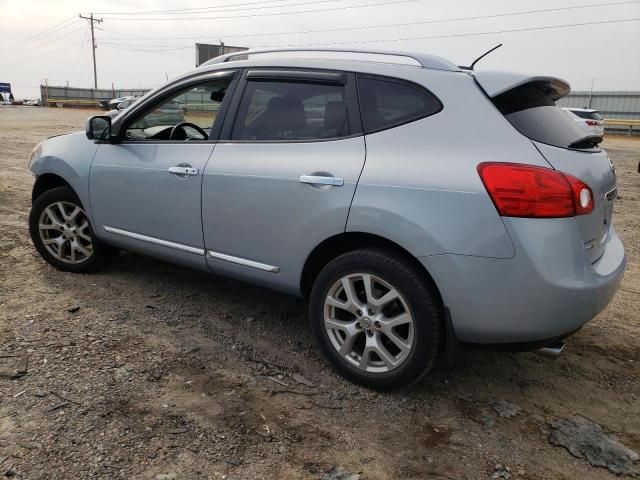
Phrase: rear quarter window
(386,102)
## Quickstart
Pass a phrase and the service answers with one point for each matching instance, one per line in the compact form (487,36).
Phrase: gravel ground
(147,370)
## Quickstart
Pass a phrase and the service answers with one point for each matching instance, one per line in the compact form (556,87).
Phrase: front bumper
(547,290)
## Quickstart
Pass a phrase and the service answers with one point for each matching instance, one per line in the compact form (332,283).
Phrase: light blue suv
(417,204)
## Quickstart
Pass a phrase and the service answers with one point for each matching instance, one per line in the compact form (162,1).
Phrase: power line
(188,11)
(119,44)
(193,9)
(46,42)
(146,50)
(428,37)
(28,59)
(389,25)
(28,39)
(348,7)
(72,75)
(20,46)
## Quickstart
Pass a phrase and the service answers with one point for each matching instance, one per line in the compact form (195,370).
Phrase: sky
(42,39)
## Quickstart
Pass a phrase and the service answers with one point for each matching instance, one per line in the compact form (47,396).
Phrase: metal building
(205,51)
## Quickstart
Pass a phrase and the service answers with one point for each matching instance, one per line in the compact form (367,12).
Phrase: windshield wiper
(588,141)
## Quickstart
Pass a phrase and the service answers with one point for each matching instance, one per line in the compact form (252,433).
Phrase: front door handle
(183,170)
(322,180)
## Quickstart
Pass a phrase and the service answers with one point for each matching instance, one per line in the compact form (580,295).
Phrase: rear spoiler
(495,82)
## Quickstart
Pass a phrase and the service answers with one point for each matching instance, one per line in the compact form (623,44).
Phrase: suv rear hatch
(528,103)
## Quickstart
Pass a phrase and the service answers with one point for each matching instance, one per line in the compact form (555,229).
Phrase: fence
(53,96)
(621,110)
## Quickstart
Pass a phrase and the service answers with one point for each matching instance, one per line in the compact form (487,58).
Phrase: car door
(283,175)
(145,190)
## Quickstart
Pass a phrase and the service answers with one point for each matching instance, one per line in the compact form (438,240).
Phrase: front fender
(68,157)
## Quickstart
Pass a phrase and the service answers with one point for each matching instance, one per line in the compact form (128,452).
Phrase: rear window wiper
(588,141)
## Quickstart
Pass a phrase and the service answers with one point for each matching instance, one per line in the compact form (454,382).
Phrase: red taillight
(591,123)
(519,190)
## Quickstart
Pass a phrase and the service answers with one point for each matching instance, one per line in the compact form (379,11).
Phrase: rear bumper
(547,290)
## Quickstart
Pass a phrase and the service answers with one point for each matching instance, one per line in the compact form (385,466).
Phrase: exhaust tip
(551,351)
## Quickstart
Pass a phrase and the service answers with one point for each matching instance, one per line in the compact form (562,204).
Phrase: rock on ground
(585,439)
(339,473)
(506,409)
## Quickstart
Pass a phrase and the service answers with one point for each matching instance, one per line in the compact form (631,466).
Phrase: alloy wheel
(65,232)
(369,322)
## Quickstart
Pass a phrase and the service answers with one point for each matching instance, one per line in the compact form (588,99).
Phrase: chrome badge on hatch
(590,245)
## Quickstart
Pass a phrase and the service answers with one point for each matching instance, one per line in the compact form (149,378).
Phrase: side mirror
(99,128)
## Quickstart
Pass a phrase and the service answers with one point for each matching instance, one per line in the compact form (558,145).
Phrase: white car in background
(589,120)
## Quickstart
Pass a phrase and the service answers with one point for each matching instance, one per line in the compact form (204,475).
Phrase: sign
(5,88)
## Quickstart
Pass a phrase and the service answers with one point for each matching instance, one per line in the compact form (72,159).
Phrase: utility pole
(93,44)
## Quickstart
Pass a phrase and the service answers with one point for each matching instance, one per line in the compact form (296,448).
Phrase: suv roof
(421,59)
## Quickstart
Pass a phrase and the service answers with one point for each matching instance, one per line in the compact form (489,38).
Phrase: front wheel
(376,317)
(62,234)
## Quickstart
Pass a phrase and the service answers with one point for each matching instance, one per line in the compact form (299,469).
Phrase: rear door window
(530,109)
(291,111)
(387,102)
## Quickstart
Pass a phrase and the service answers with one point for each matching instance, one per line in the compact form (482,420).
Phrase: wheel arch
(46,182)
(341,243)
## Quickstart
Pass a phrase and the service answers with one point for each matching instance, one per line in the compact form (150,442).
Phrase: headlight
(35,154)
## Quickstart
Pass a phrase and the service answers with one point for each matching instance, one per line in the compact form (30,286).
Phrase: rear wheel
(62,233)
(378,320)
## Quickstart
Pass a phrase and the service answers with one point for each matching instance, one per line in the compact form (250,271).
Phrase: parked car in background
(121,106)
(168,113)
(121,103)
(348,183)
(590,121)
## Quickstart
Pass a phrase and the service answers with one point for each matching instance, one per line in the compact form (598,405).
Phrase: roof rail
(422,59)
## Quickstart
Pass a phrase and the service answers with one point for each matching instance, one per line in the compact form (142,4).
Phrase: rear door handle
(322,180)
(180,170)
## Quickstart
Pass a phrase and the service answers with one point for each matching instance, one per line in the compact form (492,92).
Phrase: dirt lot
(147,370)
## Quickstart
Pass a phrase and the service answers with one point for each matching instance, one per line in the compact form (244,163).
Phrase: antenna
(481,57)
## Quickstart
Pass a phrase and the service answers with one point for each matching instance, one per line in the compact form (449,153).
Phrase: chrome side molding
(243,261)
(155,241)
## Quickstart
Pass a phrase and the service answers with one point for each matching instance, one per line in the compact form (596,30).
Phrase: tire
(387,273)
(88,254)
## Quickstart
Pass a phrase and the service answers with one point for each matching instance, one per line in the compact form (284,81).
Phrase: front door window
(188,115)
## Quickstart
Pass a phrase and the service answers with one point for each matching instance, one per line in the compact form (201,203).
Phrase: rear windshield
(530,109)
(587,115)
